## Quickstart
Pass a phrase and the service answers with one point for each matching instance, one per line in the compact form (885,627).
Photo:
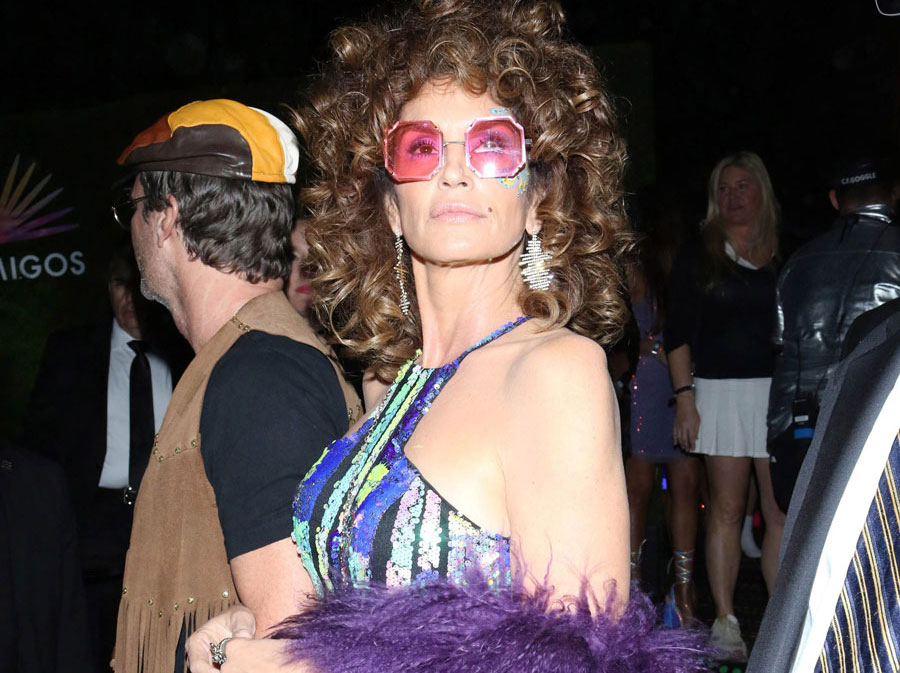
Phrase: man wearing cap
(261,399)
(825,285)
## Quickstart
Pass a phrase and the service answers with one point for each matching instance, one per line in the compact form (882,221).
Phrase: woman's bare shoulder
(559,357)
(559,393)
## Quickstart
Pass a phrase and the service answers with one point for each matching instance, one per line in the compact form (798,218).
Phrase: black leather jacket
(851,268)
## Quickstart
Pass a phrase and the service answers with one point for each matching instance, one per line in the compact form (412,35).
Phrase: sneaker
(748,543)
(726,636)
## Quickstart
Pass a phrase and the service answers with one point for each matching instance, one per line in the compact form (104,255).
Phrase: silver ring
(217,652)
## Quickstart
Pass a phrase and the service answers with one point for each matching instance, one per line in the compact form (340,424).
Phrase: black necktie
(140,418)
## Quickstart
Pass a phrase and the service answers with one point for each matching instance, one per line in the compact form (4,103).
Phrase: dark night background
(794,81)
(789,79)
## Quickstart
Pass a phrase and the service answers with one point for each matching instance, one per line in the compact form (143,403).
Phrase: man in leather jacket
(824,286)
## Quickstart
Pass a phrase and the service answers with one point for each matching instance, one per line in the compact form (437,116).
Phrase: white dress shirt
(118,394)
(843,534)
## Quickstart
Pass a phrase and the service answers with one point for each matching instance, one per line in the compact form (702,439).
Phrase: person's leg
(728,488)
(684,484)
(639,484)
(774,519)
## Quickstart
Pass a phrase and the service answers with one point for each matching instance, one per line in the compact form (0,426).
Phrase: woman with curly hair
(466,228)
(719,321)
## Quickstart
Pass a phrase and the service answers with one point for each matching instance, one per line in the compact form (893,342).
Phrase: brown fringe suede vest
(176,572)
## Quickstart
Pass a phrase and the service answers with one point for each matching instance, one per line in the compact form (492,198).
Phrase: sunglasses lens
(495,147)
(412,151)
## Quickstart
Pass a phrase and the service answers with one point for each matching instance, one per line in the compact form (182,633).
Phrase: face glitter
(518,182)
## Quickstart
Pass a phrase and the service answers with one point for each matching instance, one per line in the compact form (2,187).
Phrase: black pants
(103,596)
(104,533)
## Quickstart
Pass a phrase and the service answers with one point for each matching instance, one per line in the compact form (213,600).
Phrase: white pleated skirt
(732,416)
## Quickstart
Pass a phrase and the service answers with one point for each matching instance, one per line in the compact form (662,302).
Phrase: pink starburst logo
(20,207)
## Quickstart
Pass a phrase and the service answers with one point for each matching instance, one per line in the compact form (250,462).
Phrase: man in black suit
(80,414)
(830,547)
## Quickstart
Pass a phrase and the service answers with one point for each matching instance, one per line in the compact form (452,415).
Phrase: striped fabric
(865,631)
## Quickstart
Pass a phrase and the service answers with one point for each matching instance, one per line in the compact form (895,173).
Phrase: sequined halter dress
(365,513)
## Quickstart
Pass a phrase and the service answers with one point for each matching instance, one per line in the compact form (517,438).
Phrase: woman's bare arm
(565,485)
(687,420)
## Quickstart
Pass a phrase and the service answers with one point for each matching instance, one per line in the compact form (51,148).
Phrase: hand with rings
(206,648)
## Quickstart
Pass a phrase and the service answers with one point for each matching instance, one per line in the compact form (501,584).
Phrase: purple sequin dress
(651,390)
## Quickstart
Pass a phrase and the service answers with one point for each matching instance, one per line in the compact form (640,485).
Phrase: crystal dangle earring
(533,264)
(400,272)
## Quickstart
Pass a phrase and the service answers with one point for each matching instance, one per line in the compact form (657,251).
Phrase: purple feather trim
(447,628)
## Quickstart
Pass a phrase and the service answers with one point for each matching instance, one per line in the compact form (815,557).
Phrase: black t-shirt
(272,405)
(727,325)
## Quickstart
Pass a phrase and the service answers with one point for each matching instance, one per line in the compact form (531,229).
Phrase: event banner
(56,233)
(47,279)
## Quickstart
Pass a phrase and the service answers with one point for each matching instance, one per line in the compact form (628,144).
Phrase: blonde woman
(718,340)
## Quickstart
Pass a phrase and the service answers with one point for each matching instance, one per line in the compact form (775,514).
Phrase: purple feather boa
(447,628)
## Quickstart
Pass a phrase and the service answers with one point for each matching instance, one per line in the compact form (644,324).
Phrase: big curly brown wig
(517,52)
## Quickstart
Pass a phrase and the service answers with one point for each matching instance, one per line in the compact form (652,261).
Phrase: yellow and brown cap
(221,138)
